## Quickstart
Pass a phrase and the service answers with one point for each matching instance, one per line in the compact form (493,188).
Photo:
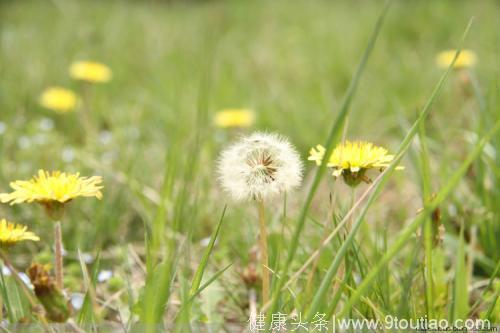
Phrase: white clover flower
(259,166)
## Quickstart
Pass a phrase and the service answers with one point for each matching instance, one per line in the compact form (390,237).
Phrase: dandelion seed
(58,99)
(353,159)
(466,59)
(234,118)
(90,71)
(11,233)
(259,166)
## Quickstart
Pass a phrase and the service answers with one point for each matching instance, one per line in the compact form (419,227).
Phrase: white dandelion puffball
(259,166)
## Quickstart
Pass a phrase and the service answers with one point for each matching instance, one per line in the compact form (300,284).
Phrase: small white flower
(104,275)
(24,142)
(77,300)
(259,166)
(46,124)
(5,271)
(105,137)
(68,154)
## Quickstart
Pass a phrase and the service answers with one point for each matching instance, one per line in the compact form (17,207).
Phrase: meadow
(166,248)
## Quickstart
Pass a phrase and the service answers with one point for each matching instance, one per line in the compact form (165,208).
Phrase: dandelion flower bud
(259,167)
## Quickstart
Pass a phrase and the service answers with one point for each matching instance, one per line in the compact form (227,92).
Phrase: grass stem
(264,258)
(58,255)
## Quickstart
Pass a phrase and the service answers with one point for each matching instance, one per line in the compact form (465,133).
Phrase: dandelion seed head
(260,166)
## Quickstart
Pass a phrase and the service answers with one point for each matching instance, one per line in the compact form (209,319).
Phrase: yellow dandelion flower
(352,159)
(58,99)
(234,118)
(11,233)
(55,187)
(466,59)
(90,71)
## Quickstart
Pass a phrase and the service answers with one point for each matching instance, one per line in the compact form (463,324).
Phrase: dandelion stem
(342,269)
(252,300)
(58,255)
(263,251)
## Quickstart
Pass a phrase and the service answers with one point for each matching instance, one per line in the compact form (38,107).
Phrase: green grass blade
(188,302)
(157,292)
(460,300)
(427,228)
(333,137)
(204,261)
(488,288)
(5,297)
(407,233)
(198,276)
(87,313)
(489,313)
(209,282)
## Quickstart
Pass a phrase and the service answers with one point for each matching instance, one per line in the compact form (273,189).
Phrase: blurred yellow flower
(90,71)
(352,159)
(234,118)
(11,233)
(58,187)
(466,59)
(58,99)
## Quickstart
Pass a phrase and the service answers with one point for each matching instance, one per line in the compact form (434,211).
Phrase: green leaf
(204,261)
